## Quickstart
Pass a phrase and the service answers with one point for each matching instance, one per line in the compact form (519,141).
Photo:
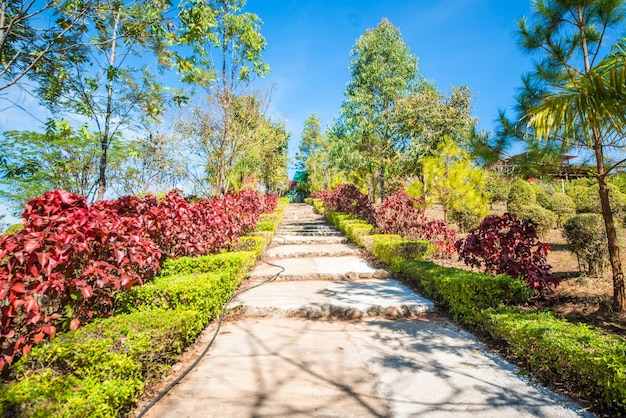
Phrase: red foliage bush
(404,215)
(269,202)
(72,258)
(68,262)
(506,245)
(348,198)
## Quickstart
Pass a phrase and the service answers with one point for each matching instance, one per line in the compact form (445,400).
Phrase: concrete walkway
(334,336)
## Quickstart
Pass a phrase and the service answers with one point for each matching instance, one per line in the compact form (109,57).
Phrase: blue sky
(457,42)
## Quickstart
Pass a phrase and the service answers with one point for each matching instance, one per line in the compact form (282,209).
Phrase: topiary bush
(506,245)
(542,218)
(466,219)
(521,193)
(563,207)
(586,237)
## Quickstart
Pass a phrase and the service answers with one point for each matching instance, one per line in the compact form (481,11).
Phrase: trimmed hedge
(100,369)
(465,294)
(238,263)
(392,250)
(587,362)
(266,226)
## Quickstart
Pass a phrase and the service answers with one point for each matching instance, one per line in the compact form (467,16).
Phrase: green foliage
(543,219)
(467,295)
(585,361)
(498,189)
(392,249)
(562,205)
(521,193)
(14,229)
(585,199)
(466,219)
(266,226)
(236,263)
(365,140)
(205,293)
(318,205)
(61,158)
(100,369)
(586,237)
(452,179)
(254,244)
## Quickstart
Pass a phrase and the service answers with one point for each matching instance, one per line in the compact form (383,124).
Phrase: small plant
(506,245)
(586,237)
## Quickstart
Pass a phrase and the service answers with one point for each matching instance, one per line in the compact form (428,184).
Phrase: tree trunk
(619,292)
(382,184)
(105,139)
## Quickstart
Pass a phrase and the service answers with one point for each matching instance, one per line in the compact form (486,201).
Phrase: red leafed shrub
(69,261)
(506,245)
(247,209)
(401,214)
(348,198)
(269,203)
(321,194)
(174,225)
(404,215)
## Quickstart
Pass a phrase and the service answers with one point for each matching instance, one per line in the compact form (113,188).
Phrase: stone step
(311,250)
(288,239)
(333,300)
(310,232)
(347,267)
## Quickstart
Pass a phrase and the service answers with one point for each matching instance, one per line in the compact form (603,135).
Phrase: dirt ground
(578,298)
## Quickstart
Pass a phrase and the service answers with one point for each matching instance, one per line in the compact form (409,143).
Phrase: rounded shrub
(498,189)
(586,237)
(585,198)
(562,205)
(543,219)
(521,193)
(466,219)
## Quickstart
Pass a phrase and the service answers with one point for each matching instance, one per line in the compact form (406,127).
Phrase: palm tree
(590,112)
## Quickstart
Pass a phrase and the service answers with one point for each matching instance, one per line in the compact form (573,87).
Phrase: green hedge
(587,362)
(318,205)
(100,370)
(465,294)
(392,250)
(236,262)
(266,226)
(204,292)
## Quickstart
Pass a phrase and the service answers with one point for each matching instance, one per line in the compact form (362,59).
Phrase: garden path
(335,336)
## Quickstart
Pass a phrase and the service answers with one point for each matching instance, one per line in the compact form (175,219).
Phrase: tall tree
(590,111)
(567,36)
(229,48)
(312,156)
(383,71)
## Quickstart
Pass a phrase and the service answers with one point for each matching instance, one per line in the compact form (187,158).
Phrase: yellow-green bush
(392,250)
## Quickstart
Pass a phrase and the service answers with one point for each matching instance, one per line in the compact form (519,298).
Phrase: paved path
(334,336)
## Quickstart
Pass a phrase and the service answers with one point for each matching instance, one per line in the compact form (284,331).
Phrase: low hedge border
(586,362)
(101,369)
